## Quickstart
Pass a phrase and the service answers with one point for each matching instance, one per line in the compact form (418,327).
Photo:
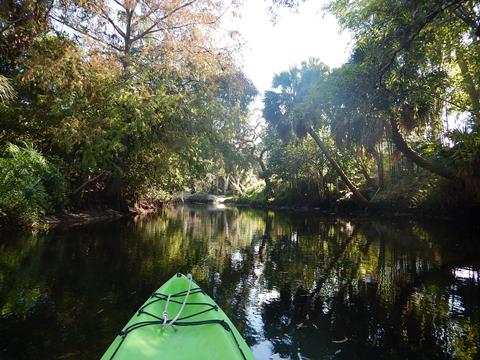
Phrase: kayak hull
(200,329)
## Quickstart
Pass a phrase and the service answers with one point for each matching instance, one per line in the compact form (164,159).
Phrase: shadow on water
(297,285)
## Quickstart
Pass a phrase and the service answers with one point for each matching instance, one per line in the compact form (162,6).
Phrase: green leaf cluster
(30,185)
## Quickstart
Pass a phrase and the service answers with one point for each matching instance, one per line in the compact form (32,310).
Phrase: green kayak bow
(179,321)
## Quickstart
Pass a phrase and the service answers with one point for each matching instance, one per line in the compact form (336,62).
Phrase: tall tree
(145,32)
(298,107)
(172,74)
(414,53)
(134,97)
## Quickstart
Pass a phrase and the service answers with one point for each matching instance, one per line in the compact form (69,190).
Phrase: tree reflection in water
(297,285)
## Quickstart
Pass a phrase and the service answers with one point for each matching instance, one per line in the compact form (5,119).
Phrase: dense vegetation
(121,101)
(118,103)
(398,122)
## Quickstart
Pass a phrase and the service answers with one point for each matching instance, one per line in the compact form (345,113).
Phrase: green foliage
(254,198)
(465,157)
(30,185)
(414,64)
(146,113)
(145,122)
(297,101)
(467,146)
(413,69)
(311,180)
(299,105)
(202,197)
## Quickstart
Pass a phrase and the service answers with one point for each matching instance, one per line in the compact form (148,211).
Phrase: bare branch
(176,27)
(110,20)
(89,181)
(157,22)
(146,15)
(83,32)
(119,3)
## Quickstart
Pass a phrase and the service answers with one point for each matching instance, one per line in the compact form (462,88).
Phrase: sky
(271,48)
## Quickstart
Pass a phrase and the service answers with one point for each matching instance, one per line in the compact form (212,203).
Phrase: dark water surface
(297,285)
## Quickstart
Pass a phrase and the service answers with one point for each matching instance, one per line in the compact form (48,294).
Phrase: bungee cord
(177,320)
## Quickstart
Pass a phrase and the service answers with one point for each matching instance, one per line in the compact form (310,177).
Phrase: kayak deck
(179,321)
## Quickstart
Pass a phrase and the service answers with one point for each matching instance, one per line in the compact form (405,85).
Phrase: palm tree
(298,107)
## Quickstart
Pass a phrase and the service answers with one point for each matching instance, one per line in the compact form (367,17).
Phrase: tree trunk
(412,155)
(337,167)
(326,273)
(226,180)
(364,170)
(380,170)
(469,84)
(88,182)
(265,175)
(236,183)
(114,193)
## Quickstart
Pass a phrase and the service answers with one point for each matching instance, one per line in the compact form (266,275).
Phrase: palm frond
(7,92)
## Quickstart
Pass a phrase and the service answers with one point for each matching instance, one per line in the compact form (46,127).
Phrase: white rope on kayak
(162,319)
(165,312)
(189,276)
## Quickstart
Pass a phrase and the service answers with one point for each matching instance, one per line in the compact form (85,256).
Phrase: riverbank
(72,216)
(78,218)
(66,218)
(380,208)
(384,204)
(422,196)
(202,198)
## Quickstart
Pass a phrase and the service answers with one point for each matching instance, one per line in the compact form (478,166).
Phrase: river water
(298,285)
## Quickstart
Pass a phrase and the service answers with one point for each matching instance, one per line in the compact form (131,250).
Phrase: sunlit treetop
(147,31)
